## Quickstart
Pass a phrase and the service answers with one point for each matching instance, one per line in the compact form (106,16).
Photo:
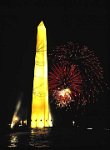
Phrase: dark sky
(80,22)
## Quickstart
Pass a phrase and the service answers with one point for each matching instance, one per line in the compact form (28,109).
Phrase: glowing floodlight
(15,118)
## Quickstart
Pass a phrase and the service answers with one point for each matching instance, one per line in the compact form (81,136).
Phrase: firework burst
(65,83)
(75,75)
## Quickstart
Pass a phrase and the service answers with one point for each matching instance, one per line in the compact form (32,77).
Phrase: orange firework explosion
(63,97)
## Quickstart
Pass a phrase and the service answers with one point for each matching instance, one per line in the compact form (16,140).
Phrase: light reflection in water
(39,138)
(13,140)
(61,137)
(36,138)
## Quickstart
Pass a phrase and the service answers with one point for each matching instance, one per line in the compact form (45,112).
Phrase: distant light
(89,128)
(16,118)
(32,131)
(20,125)
(14,121)
(107,129)
(25,122)
(73,123)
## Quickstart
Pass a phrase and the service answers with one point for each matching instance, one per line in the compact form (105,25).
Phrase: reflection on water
(13,140)
(35,138)
(54,138)
(41,136)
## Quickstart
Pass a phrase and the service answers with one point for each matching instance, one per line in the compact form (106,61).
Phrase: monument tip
(41,23)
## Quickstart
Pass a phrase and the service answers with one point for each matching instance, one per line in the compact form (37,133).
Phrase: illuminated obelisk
(40,115)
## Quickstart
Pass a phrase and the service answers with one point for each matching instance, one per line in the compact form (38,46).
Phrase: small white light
(20,125)
(89,128)
(32,131)
(107,129)
(73,123)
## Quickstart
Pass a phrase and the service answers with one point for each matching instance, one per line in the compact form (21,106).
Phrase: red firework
(75,75)
(65,83)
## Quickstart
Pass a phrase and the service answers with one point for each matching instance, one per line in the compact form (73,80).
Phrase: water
(33,138)
(54,138)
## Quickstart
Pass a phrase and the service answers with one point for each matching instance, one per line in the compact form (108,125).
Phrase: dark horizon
(82,24)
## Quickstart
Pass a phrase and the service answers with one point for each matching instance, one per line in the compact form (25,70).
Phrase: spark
(77,68)
(63,97)
(65,84)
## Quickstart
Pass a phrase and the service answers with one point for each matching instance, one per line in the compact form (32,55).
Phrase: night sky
(85,23)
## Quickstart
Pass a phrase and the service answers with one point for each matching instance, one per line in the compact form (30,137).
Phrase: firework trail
(75,75)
